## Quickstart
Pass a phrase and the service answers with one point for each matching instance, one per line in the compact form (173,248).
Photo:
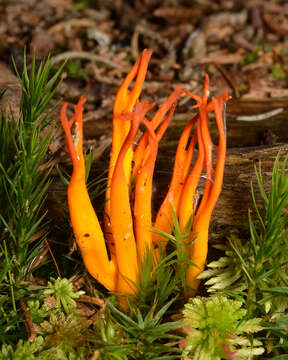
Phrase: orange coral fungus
(198,250)
(128,211)
(84,221)
(124,103)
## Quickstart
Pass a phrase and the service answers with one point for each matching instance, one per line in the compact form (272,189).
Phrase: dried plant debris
(241,44)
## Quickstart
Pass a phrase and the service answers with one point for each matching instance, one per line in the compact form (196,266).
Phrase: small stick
(28,322)
(83,55)
(260,117)
(228,78)
(90,300)
(53,258)
(164,218)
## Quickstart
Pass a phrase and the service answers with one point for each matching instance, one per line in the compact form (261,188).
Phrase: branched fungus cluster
(128,225)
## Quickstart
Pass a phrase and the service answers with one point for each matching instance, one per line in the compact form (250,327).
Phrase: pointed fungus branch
(143,196)
(199,248)
(128,223)
(124,102)
(182,164)
(84,221)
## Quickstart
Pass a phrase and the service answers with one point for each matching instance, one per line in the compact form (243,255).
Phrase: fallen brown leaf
(10,101)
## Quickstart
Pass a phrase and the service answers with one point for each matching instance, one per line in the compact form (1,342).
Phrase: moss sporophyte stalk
(128,225)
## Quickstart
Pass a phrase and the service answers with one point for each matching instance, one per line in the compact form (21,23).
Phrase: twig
(228,78)
(134,45)
(28,322)
(60,26)
(259,117)
(53,258)
(95,355)
(37,260)
(90,300)
(83,55)
(38,235)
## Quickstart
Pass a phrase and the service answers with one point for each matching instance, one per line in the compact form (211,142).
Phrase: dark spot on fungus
(86,235)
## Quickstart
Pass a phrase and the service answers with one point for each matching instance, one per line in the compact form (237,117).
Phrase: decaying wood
(241,133)
(248,144)
(231,212)
(241,107)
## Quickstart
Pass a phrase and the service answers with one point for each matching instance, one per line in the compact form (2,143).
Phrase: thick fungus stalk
(86,227)
(124,103)
(187,200)
(183,158)
(121,215)
(199,248)
(144,177)
(143,194)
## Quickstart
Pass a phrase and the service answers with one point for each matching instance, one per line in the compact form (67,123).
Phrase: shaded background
(242,45)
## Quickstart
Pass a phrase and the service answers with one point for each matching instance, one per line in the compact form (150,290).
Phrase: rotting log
(255,106)
(231,211)
(239,133)
(247,146)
